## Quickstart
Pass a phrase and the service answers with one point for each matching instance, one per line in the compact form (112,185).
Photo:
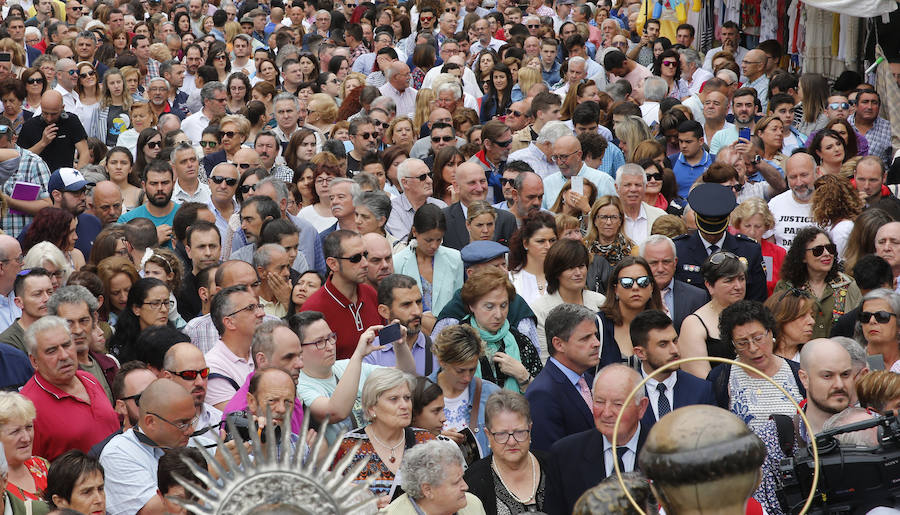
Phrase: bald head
(106,202)
(398,75)
(247,156)
(439,115)
(820,350)
(569,148)
(754,64)
(179,354)
(161,395)
(234,272)
(51,106)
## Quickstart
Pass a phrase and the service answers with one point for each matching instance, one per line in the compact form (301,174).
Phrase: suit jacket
(689,390)
(576,464)
(558,407)
(457,235)
(692,254)
(210,161)
(686,299)
(33,53)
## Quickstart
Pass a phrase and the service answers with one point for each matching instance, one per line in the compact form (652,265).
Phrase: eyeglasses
(180,426)
(532,26)
(89,73)
(502,437)
(35,81)
(609,218)
(18,260)
(218,179)
(356,258)
(323,342)
(818,250)
(136,398)
(250,307)
(247,188)
(563,157)
(755,340)
(515,113)
(670,63)
(209,144)
(658,176)
(323,181)
(881,317)
(154,144)
(190,375)
(424,176)
(445,139)
(629,282)
(156,304)
(719,257)
(227,134)
(839,105)
(503,144)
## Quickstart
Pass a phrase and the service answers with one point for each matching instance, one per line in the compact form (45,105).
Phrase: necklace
(534,481)
(392,448)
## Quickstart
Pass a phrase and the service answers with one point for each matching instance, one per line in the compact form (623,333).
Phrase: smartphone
(744,133)
(389,334)
(5,57)
(578,184)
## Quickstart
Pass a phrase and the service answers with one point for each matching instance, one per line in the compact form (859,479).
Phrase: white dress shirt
(638,229)
(405,100)
(630,457)
(653,393)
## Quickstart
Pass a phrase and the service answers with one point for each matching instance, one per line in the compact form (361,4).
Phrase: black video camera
(242,426)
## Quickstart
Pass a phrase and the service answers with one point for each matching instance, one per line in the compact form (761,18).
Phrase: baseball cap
(67,179)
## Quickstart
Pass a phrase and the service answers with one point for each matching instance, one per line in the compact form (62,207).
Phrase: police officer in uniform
(713,203)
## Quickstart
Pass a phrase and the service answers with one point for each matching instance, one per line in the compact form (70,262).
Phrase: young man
(692,161)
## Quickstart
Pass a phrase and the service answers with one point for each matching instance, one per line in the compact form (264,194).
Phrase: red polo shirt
(349,321)
(65,422)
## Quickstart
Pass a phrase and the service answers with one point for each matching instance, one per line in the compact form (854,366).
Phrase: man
(347,302)
(485,38)
(518,117)
(32,289)
(342,191)
(254,213)
(223,181)
(193,59)
(560,391)
(631,182)
(78,307)
(826,374)
(212,98)
(399,299)
(496,139)
(173,71)
(427,145)
(64,396)
(381,259)
(271,392)
(140,47)
(167,419)
(887,245)
(731,35)
(398,89)
(68,188)
(159,209)
(869,178)
(203,246)
(569,158)
(54,137)
(268,148)
(692,161)
(185,166)
(85,47)
(643,51)
(549,65)
(715,109)
(656,344)
(581,460)
(754,69)
(418,186)
(308,246)
(15,25)
(713,203)
(617,64)
(527,195)
(442,135)
(106,202)
(659,251)
(692,67)
(743,108)
(158,93)
(575,74)
(10,266)
(291,76)
(273,265)
(537,154)
(876,129)
(544,108)
(684,35)
(471,185)
(793,208)
(129,384)
(185,365)
(66,79)
(364,139)
(241,50)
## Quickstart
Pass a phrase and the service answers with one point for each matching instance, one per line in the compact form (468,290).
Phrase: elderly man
(272,391)
(753,67)
(418,186)
(568,157)
(213,97)
(105,202)
(538,152)
(268,148)
(63,396)
(659,251)
(518,116)
(792,209)
(715,109)
(273,265)
(381,259)
(471,185)
(631,182)
(887,246)
(398,89)
(54,137)
(287,115)
(483,32)
(580,461)
(527,195)
(692,68)
(308,246)
(575,73)
(222,182)
(185,364)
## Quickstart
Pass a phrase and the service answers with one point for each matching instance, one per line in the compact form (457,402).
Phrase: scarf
(501,341)
(613,252)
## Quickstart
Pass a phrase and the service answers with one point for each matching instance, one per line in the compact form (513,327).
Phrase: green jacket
(840,296)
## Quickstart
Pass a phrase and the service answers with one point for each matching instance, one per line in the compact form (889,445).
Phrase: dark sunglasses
(218,179)
(449,10)
(220,57)
(533,26)
(515,113)
(794,292)
(89,73)
(629,282)
(208,144)
(154,144)
(881,317)
(376,123)
(737,187)
(429,175)
(719,257)
(504,181)
(356,258)
(818,250)
(228,134)
(503,144)
(242,166)
(35,81)
(366,135)
(190,375)
(136,398)
(247,188)
(445,139)
(658,176)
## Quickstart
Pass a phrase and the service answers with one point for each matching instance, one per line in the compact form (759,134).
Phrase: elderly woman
(812,265)
(27,475)
(753,219)
(480,220)
(606,230)
(725,277)
(630,290)
(879,390)
(432,477)
(878,325)
(794,321)
(835,206)
(511,360)
(565,268)
(750,328)
(384,440)
(323,112)
(528,248)
(47,256)
(233,132)
(373,208)
(511,479)
(75,481)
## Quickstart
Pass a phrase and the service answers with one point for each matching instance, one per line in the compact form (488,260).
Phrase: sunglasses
(658,176)
(670,63)
(445,139)
(503,144)
(73,72)
(533,26)
(154,144)
(227,134)
(356,258)
(89,73)
(719,257)
(242,166)
(426,19)
(794,292)
(504,181)
(629,282)
(737,187)
(366,135)
(839,105)
(218,179)
(376,123)
(247,188)
(219,57)
(209,144)
(190,375)
(35,81)
(881,317)
(424,176)
(450,10)
(818,250)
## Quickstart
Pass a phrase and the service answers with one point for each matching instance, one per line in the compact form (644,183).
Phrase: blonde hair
(15,406)
(528,77)
(352,75)
(232,29)
(478,208)
(380,381)
(45,251)
(424,103)
(632,131)
(242,123)
(323,104)
(669,225)
(17,51)
(458,344)
(750,208)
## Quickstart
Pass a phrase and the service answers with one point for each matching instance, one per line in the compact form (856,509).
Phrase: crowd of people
(460,233)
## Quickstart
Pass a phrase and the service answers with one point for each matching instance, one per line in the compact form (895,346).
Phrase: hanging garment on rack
(707,25)
(768,20)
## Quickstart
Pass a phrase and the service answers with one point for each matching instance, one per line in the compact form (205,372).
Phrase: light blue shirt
(761,85)
(553,184)
(385,357)
(9,312)
(570,374)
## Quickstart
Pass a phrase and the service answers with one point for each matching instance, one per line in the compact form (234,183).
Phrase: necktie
(585,393)
(662,404)
(713,249)
(665,299)
(620,457)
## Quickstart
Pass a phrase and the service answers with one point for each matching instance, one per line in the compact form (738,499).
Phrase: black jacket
(480,479)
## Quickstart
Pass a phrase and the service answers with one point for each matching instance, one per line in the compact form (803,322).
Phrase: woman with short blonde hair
(752,218)
(323,112)
(27,474)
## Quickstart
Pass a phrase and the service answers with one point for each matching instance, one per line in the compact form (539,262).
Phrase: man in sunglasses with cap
(712,205)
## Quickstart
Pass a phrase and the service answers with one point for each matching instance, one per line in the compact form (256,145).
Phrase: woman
(301,148)
(303,180)
(437,269)
(164,265)
(265,93)
(217,57)
(373,208)
(481,218)
(267,72)
(423,60)
(725,277)
(631,131)
(565,268)
(528,77)
(835,206)
(148,305)
(89,93)
(424,105)
(233,132)
(528,247)
(668,66)
(328,84)
(182,23)
(653,189)
(660,45)
(109,242)
(132,78)
(511,479)
(574,204)
(319,214)
(750,328)
(75,481)
(391,159)
(387,437)
(56,226)
(119,166)
(237,91)
(432,477)
(877,329)
(585,91)
(629,291)
(209,140)
(445,162)
(142,118)
(814,92)
(753,219)
(35,86)
(308,282)
(830,151)
(27,475)
(496,100)
(48,256)
(511,360)
(606,231)
(309,67)
(12,94)
(339,66)
(812,265)
(484,64)
(794,322)
(427,406)
(322,112)
(118,274)
(879,391)
(862,237)
(401,132)
(115,108)
(149,144)
(771,133)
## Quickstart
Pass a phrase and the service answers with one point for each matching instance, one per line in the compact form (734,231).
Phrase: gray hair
(184,145)
(857,352)
(263,255)
(656,239)
(287,52)
(578,60)
(631,169)
(655,88)
(377,202)
(732,77)
(506,401)
(62,64)
(385,103)
(451,86)
(403,168)
(355,190)
(4,465)
(561,321)
(890,296)
(206,92)
(867,438)
(366,179)
(41,325)
(426,464)
(263,337)
(552,131)
(281,189)
(44,252)
(380,381)
(72,294)
(86,34)
(691,56)
(618,90)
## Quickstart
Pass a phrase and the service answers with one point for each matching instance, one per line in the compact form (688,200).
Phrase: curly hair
(51,224)
(794,268)
(744,312)
(533,223)
(171,263)
(834,200)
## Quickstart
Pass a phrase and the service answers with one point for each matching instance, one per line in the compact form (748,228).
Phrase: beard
(160,200)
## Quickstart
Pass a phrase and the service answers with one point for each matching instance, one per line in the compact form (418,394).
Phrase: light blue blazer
(448,273)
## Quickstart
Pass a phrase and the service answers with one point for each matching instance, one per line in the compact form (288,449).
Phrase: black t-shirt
(61,151)
(353,166)
(115,124)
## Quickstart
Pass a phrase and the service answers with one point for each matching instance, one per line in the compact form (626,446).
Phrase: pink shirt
(222,362)
(637,76)
(239,403)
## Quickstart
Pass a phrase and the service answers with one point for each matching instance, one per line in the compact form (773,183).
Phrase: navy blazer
(686,299)
(557,407)
(692,253)
(576,464)
(689,390)
(457,235)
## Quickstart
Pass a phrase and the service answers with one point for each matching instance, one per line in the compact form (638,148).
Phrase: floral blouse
(37,467)
(383,478)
